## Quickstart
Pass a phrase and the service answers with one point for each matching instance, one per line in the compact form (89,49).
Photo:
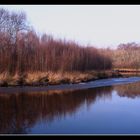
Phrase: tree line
(23,50)
(126,56)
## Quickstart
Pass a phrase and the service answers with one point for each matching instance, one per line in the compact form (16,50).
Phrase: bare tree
(22,51)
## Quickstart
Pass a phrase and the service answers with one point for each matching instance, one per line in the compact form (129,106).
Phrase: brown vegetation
(26,57)
(24,53)
(127,56)
(53,78)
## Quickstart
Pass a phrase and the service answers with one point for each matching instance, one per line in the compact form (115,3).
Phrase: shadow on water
(19,112)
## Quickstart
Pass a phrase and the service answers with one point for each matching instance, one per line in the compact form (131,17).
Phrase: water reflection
(128,90)
(20,111)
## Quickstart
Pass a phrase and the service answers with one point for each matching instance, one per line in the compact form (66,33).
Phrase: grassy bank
(50,78)
(127,72)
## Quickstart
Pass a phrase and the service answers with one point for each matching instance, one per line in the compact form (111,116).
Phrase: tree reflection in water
(129,90)
(21,111)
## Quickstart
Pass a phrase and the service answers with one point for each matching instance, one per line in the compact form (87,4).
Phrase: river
(107,106)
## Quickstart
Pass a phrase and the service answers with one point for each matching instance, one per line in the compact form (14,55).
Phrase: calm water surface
(102,110)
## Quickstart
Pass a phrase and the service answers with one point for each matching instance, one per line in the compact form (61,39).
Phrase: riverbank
(57,89)
(50,78)
(127,72)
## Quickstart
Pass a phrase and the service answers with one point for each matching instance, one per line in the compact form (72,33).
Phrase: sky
(97,25)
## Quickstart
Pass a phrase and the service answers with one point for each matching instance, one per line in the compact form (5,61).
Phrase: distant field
(127,70)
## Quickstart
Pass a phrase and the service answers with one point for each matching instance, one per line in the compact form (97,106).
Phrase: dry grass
(51,78)
(35,77)
(126,69)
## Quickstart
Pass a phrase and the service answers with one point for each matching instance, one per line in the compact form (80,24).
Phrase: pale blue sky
(99,25)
